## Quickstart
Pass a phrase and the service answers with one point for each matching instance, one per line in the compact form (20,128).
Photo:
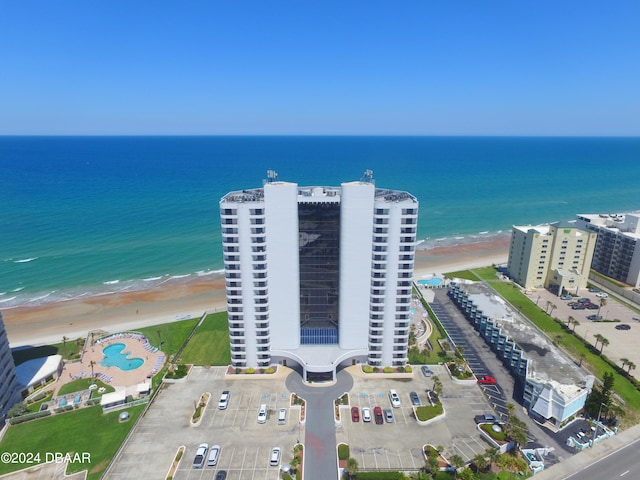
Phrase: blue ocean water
(87,215)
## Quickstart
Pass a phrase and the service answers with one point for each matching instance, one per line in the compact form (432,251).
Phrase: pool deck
(138,348)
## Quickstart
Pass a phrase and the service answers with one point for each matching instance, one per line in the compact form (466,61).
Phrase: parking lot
(622,343)
(398,445)
(246,445)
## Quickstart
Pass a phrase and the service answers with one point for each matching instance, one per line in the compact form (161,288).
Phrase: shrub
(250,371)
(270,370)
(238,369)
(400,369)
(180,371)
(29,416)
(343,451)
(367,369)
(408,369)
(387,370)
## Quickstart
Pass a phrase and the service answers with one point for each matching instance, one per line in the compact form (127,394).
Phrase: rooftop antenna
(272,176)
(368,176)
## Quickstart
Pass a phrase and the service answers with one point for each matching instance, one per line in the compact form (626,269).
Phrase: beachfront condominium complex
(9,394)
(556,256)
(617,252)
(318,277)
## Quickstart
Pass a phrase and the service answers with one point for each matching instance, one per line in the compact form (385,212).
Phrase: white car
(224,400)
(274,460)
(366,414)
(201,454)
(602,295)
(395,400)
(262,414)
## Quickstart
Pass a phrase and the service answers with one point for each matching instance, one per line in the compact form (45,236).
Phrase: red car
(355,414)
(486,380)
(377,413)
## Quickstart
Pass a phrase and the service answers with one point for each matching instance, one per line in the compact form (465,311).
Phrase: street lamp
(595,432)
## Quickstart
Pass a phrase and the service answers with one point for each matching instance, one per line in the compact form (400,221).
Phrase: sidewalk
(589,456)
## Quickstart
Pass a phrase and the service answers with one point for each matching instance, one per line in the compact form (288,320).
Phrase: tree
(624,362)
(598,338)
(553,307)
(570,320)
(603,302)
(582,357)
(466,474)
(603,343)
(352,467)
(480,462)
(575,324)
(546,310)
(433,465)
(17,410)
(91,364)
(631,366)
(458,462)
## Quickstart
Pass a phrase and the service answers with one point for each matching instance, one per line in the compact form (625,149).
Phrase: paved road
(620,464)
(320,457)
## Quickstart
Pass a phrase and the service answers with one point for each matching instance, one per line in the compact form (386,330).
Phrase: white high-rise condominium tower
(318,277)
(9,394)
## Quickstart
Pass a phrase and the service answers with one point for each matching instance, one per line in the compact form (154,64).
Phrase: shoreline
(44,324)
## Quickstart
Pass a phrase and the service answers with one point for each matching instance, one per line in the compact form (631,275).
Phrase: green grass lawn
(83,430)
(83,384)
(210,344)
(173,335)
(427,412)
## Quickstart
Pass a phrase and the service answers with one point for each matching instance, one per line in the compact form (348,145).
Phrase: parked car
(355,414)
(426,371)
(388,415)
(584,300)
(415,399)
(602,295)
(594,317)
(366,414)
(578,306)
(566,297)
(214,453)
(224,400)
(594,289)
(377,413)
(393,397)
(221,475)
(592,306)
(486,380)
(275,457)
(623,326)
(201,454)
(262,414)
(282,416)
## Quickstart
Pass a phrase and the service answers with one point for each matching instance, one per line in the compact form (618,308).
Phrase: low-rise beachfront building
(556,256)
(37,372)
(318,276)
(9,391)
(548,382)
(617,249)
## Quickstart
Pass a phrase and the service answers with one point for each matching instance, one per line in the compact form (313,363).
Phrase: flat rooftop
(546,363)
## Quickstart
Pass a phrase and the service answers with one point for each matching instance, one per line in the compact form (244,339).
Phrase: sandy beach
(121,311)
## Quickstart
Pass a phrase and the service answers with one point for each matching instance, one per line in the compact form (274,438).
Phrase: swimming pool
(113,357)
(432,282)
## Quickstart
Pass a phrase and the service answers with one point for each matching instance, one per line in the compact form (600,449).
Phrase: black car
(623,326)
(221,475)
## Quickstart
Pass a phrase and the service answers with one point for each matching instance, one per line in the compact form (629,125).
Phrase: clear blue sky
(320,67)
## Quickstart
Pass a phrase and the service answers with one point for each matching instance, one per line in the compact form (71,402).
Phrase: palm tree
(603,302)
(575,324)
(352,467)
(458,462)
(570,320)
(582,356)
(480,462)
(598,338)
(631,366)
(553,307)
(624,362)
(603,343)
(548,306)
(64,344)
(91,364)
